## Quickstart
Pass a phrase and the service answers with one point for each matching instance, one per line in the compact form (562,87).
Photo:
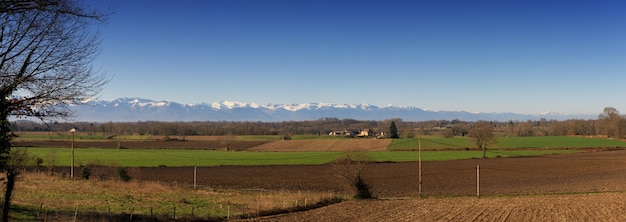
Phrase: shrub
(85,173)
(122,173)
(350,169)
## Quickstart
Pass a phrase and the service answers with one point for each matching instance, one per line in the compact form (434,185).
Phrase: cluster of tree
(211,128)
(609,123)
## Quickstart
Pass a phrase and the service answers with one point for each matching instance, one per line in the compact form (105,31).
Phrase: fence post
(195,176)
(477,180)
(132,210)
(40,207)
(228,212)
(75,214)
(258,205)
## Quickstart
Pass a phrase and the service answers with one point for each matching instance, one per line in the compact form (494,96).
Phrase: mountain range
(137,109)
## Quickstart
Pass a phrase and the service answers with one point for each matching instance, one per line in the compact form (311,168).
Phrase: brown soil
(576,207)
(574,187)
(582,172)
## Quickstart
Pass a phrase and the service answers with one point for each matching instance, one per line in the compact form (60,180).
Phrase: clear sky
(526,56)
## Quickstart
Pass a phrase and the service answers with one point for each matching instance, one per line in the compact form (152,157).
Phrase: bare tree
(612,123)
(482,132)
(46,48)
(350,169)
(227,141)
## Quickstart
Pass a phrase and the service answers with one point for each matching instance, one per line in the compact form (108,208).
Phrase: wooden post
(132,210)
(195,175)
(39,212)
(477,180)
(75,214)
(73,130)
(419,166)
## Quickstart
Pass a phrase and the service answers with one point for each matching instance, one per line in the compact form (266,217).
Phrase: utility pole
(73,130)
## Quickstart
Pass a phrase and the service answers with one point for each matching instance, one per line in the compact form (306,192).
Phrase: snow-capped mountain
(136,109)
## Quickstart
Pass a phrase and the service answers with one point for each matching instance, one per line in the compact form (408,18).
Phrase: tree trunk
(5,148)
(484,152)
(10,184)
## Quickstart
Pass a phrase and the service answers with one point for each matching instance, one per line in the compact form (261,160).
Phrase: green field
(68,136)
(178,157)
(556,142)
(173,157)
(432,142)
(435,149)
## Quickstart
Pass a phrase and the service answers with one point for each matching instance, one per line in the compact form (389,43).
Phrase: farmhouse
(352,133)
(365,133)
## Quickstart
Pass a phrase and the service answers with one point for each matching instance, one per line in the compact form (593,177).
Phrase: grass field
(435,149)
(172,157)
(556,142)
(177,157)
(82,136)
(432,142)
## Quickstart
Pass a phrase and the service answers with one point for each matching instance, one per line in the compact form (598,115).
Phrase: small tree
(85,173)
(227,141)
(350,168)
(38,163)
(613,123)
(122,173)
(482,132)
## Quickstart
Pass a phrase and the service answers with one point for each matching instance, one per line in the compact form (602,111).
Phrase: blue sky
(479,56)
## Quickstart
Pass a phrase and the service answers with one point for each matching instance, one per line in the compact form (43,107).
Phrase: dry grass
(147,198)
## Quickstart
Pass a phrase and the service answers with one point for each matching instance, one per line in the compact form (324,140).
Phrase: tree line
(609,123)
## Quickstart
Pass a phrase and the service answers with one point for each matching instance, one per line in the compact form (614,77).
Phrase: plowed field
(546,183)
(581,172)
(572,207)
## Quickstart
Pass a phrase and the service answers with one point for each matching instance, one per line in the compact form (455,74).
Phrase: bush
(350,170)
(85,173)
(122,173)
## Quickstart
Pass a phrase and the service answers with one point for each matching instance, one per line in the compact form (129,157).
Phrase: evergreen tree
(393,130)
